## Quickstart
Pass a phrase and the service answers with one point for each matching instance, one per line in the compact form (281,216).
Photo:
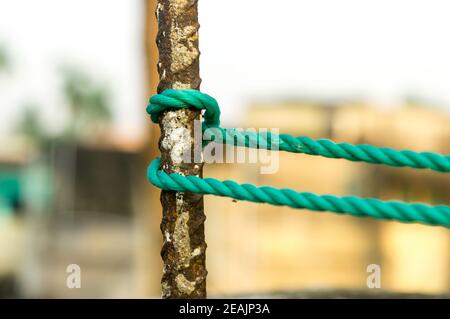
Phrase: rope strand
(327,148)
(352,205)
(358,153)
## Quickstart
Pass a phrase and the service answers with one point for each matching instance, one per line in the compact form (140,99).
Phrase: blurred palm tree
(4,60)
(31,127)
(88,102)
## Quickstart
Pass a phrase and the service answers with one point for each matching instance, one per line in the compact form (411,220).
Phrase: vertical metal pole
(183,252)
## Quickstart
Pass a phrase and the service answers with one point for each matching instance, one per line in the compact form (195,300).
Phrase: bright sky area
(380,50)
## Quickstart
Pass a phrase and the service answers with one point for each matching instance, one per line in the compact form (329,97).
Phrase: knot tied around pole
(188,98)
(369,207)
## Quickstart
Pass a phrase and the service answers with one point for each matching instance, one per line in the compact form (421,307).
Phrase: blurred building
(90,224)
(12,201)
(78,208)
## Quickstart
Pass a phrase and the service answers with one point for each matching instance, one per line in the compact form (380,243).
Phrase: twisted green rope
(369,207)
(326,148)
(178,99)
(284,142)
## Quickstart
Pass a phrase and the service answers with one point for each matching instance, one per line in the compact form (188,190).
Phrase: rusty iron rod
(183,251)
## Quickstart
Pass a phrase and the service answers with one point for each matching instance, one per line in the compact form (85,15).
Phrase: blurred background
(75,77)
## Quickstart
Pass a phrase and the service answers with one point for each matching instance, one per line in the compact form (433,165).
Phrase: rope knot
(412,212)
(186,98)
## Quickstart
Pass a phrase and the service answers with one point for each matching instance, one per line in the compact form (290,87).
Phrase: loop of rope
(358,153)
(360,207)
(178,99)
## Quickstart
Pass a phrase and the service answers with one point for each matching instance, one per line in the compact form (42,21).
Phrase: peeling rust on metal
(184,285)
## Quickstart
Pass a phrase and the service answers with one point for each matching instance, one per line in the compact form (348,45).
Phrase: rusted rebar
(183,252)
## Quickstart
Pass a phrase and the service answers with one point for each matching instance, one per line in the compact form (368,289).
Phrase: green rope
(302,144)
(326,148)
(369,207)
(178,99)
